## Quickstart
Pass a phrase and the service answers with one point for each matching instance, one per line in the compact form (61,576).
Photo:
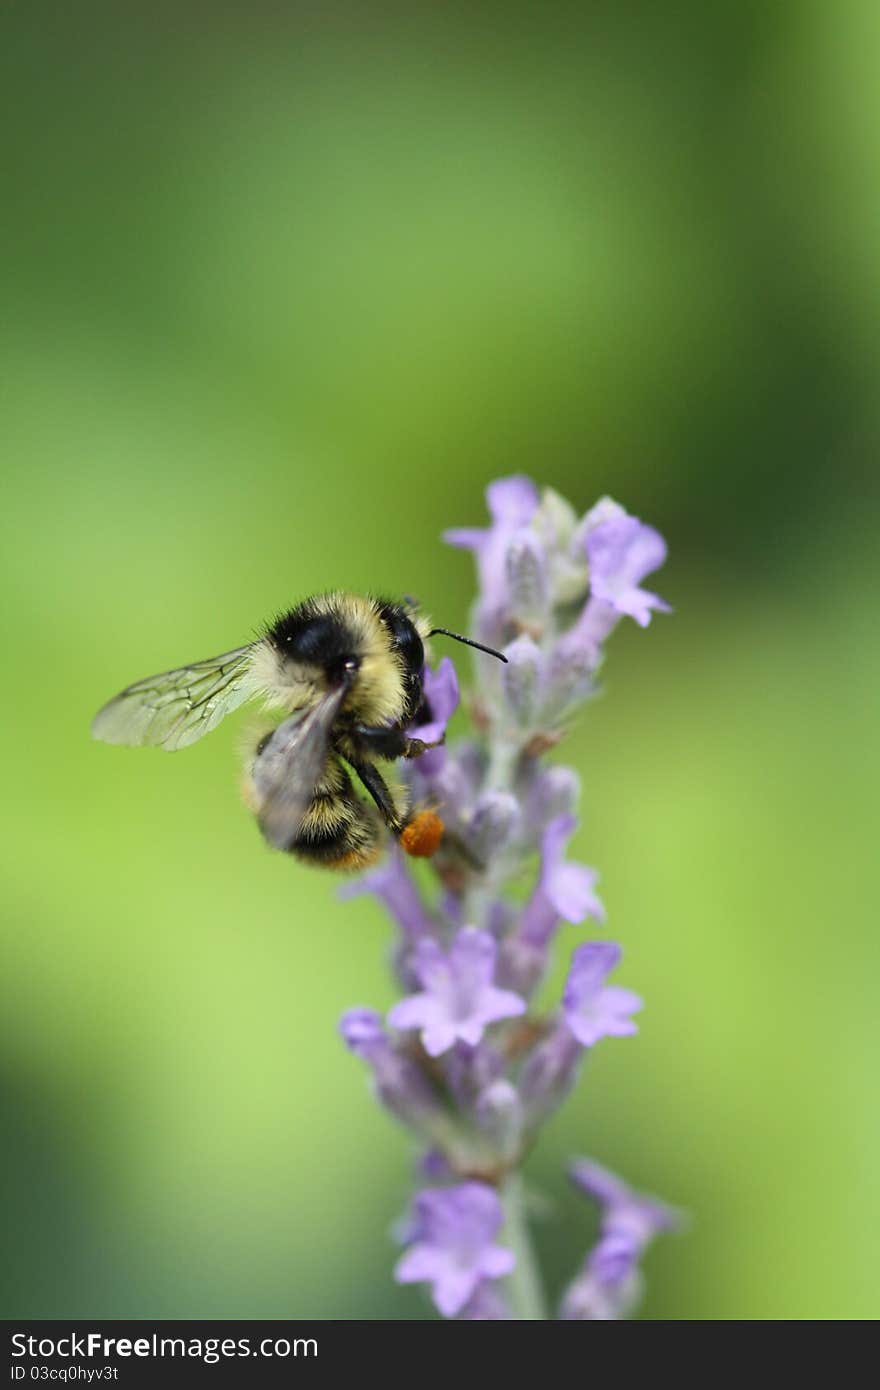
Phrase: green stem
(524,1290)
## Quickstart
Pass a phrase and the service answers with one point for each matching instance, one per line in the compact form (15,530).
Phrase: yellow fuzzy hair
(379,693)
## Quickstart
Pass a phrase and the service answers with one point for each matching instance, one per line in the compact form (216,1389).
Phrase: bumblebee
(347,673)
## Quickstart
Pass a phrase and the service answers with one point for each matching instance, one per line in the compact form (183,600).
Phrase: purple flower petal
(438,1035)
(485,1305)
(512,503)
(416,1011)
(466,537)
(496,1262)
(458,999)
(592,1009)
(615,1256)
(400,1083)
(453,1287)
(361,1029)
(418,1263)
(571,893)
(589,1299)
(609,1285)
(442,698)
(597,1182)
(569,887)
(626,1213)
(512,500)
(563,890)
(621,551)
(591,962)
(454,1250)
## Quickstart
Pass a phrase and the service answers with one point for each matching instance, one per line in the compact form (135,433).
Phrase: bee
(347,672)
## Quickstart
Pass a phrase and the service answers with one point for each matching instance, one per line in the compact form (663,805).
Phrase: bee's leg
(415,747)
(375,784)
(392,743)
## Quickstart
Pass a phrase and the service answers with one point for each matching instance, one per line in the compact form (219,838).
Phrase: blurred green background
(283,287)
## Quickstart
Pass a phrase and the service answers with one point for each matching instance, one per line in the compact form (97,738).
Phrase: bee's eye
(311,639)
(316,639)
(404,639)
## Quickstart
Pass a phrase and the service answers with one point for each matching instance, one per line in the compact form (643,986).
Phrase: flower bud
(522,963)
(526,570)
(493,824)
(549,1073)
(522,679)
(553,792)
(400,1083)
(470,1070)
(574,663)
(500,1117)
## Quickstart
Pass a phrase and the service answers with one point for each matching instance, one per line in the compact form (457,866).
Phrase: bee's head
(369,647)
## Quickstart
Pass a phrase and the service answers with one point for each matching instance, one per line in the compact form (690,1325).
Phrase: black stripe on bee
(338,829)
(314,637)
(351,843)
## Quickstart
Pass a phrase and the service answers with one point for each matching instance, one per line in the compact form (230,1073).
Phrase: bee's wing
(289,768)
(177,707)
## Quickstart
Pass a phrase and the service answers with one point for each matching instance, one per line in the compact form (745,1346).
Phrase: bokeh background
(283,287)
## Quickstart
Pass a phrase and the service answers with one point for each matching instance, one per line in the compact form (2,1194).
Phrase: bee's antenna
(444,632)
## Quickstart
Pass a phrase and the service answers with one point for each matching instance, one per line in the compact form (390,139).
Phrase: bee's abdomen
(338,831)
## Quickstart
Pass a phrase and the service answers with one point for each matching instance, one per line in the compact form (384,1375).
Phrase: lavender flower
(594,1010)
(621,551)
(461,1061)
(624,1211)
(568,888)
(563,890)
(400,1083)
(548,1073)
(441,698)
(453,1247)
(610,1283)
(459,999)
(441,701)
(591,1010)
(512,504)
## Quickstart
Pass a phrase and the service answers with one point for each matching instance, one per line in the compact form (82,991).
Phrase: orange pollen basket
(422,835)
